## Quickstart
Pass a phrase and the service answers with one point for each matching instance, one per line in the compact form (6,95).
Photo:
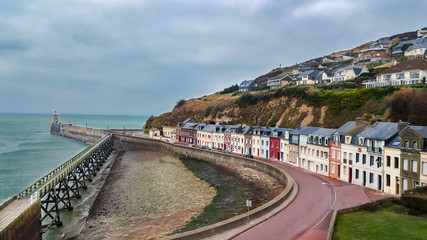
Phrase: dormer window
(347,140)
(326,141)
(320,140)
(415,145)
(361,141)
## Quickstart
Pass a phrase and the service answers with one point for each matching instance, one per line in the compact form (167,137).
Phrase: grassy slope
(304,106)
(384,224)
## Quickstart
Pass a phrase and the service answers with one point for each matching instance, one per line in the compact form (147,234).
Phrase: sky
(130,57)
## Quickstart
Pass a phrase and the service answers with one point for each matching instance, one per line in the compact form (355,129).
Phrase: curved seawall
(256,215)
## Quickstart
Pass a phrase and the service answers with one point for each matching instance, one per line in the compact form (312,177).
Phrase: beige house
(168,132)
(154,133)
(416,50)
(392,167)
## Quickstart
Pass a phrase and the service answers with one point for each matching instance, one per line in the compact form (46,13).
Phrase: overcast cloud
(141,57)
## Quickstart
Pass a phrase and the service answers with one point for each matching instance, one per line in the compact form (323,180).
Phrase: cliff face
(303,107)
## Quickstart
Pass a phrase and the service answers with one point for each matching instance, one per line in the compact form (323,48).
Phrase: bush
(246,100)
(231,89)
(418,203)
(180,103)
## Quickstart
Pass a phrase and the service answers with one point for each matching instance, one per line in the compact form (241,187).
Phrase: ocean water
(28,151)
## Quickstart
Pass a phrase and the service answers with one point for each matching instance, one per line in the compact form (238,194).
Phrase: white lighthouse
(55,117)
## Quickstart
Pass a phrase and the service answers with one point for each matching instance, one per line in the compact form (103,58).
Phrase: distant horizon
(94,114)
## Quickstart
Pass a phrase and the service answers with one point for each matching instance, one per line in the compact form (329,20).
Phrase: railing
(18,211)
(374,150)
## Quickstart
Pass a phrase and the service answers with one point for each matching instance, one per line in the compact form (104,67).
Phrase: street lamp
(330,194)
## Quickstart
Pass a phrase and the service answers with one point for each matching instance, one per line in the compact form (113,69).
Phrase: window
(333,167)
(262,142)
(414,75)
(333,153)
(364,159)
(406,144)
(387,180)
(371,160)
(326,168)
(414,166)
(379,160)
(405,184)
(321,167)
(396,162)
(339,154)
(415,145)
(425,168)
(371,178)
(357,174)
(388,161)
(345,155)
(405,164)
(357,157)
(416,184)
(387,77)
(400,76)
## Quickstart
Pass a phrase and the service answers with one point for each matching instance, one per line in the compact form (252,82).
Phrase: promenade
(308,216)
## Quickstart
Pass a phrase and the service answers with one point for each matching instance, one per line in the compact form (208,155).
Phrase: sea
(28,151)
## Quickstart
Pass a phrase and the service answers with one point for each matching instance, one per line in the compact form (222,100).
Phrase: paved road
(308,216)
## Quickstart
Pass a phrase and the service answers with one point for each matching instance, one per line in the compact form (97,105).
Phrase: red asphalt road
(308,216)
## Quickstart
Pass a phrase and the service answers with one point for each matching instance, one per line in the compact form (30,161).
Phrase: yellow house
(423,175)
(167,131)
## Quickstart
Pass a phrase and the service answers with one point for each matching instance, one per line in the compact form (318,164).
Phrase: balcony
(377,150)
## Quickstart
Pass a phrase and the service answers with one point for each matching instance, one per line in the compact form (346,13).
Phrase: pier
(52,194)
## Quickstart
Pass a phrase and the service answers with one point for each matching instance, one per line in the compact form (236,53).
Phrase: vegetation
(231,89)
(389,223)
(180,103)
(407,104)
(247,100)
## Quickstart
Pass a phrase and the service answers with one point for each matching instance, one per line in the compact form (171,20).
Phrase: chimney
(401,125)
(360,121)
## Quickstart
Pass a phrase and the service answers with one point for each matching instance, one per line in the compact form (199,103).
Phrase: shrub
(180,103)
(246,100)
(231,89)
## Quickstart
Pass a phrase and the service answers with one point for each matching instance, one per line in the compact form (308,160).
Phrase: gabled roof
(209,128)
(380,131)
(189,125)
(188,120)
(416,46)
(246,83)
(408,65)
(421,130)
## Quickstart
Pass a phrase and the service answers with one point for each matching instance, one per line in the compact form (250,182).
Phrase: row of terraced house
(385,156)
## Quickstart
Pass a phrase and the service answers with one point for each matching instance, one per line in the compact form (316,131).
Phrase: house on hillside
(345,56)
(417,50)
(246,85)
(348,73)
(280,82)
(407,72)
(403,45)
(311,77)
(328,59)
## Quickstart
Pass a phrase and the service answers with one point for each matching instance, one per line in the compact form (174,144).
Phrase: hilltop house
(407,72)
(403,45)
(422,33)
(246,85)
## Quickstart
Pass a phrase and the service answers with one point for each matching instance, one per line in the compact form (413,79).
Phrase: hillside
(302,106)
(322,106)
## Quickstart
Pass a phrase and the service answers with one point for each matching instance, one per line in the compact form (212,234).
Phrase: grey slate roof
(303,130)
(395,142)
(189,125)
(210,128)
(246,83)
(422,130)
(380,131)
(416,46)
(346,127)
(323,132)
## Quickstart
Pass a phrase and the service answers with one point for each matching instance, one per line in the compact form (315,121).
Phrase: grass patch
(389,223)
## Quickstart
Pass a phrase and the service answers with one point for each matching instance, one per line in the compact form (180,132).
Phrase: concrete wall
(87,135)
(132,143)
(27,226)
